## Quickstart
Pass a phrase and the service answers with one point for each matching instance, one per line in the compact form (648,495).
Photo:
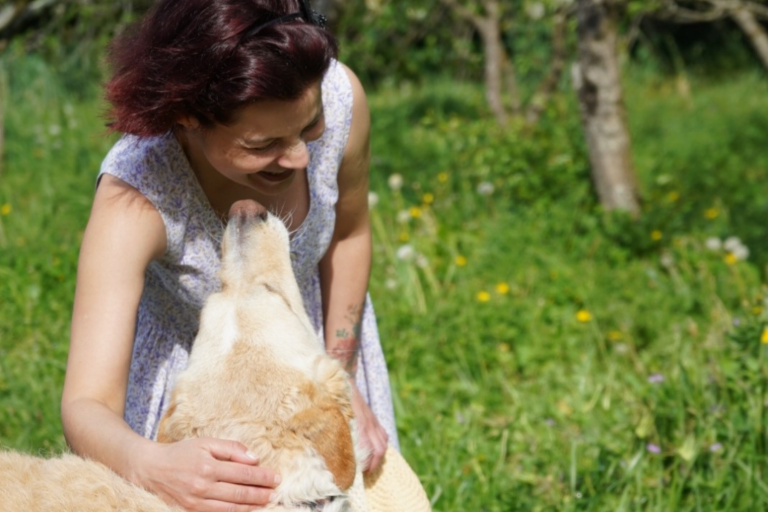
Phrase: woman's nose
(295,157)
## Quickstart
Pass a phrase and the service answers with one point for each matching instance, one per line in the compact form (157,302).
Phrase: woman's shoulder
(155,166)
(132,155)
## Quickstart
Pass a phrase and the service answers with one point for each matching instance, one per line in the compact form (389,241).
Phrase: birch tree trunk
(754,31)
(597,80)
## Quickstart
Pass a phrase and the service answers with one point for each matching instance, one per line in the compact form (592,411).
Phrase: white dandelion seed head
(485,188)
(405,252)
(741,252)
(732,243)
(403,216)
(422,261)
(390,284)
(713,243)
(395,181)
(373,199)
(667,260)
(621,348)
(54,129)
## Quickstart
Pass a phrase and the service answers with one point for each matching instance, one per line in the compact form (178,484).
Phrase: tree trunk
(489,27)
(598,85)
(754,31)
(494,62)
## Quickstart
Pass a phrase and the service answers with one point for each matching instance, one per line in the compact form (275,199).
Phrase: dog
(257,374)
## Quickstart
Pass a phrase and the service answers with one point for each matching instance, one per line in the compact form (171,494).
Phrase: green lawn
(544,355)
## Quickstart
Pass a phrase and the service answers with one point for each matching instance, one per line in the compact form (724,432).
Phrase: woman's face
(265,145)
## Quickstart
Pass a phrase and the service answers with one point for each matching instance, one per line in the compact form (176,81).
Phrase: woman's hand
(372,435)
(207,475)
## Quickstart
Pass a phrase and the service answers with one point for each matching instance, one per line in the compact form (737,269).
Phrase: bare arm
(345,268)
(124,234)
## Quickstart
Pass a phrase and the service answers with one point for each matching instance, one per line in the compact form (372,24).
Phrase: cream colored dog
(257,374)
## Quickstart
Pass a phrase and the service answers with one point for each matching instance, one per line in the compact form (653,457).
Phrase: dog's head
(255,249)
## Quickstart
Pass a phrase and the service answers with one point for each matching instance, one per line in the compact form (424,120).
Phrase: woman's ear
(188,121)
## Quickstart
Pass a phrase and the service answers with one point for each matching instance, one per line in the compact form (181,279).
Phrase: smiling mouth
(276,176)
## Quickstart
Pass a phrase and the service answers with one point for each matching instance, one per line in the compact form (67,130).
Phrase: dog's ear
(327,429)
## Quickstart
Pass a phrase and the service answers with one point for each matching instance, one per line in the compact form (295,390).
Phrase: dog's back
(68,484)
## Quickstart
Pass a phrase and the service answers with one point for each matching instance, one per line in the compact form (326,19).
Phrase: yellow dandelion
(757,310)
(656,235)
(564,408)
(502,288)
(442,177)
(483,296)
(764,336)
(673,196)
(615,335)
(731,259)
(503,347)
(6,209)
(460,261)
(711,213)
(415,212)
(428,198)
(583,316)
(404,237)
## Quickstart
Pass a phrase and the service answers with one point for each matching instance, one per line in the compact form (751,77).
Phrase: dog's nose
(247,209)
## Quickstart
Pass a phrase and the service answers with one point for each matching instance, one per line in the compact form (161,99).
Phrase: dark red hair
(194,57)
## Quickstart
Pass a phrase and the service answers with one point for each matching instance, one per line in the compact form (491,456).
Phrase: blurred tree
(499,70)
(83,21)
(485,16)
(597,80)
(746,14)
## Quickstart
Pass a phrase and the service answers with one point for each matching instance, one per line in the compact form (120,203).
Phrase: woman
(220,100)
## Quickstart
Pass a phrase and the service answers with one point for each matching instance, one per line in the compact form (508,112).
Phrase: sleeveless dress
(177,284)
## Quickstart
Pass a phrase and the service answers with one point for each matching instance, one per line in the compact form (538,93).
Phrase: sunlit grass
(543,356)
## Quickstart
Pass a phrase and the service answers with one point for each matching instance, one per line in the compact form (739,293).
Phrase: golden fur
(257,374)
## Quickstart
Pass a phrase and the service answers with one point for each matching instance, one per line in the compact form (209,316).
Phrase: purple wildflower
(656,378)
(716,447)
(653,448)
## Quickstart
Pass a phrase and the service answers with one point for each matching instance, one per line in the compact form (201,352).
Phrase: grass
(544,355)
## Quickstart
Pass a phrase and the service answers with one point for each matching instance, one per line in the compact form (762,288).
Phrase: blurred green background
(545,353)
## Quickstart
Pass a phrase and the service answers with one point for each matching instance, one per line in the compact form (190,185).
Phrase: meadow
(545,355)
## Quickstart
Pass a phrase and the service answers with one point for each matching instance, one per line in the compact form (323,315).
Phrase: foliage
(54,143)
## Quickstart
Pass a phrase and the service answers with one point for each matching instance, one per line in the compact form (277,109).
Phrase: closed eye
(259,149)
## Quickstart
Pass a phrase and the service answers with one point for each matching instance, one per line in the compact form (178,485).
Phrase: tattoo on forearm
(347,345)
(345,351)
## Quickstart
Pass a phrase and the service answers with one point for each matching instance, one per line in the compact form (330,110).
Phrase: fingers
(378,445)
(223,449)
(245,495)
(248,475)
(245,471)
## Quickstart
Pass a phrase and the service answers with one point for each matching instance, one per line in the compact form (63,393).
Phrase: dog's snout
(247,209)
